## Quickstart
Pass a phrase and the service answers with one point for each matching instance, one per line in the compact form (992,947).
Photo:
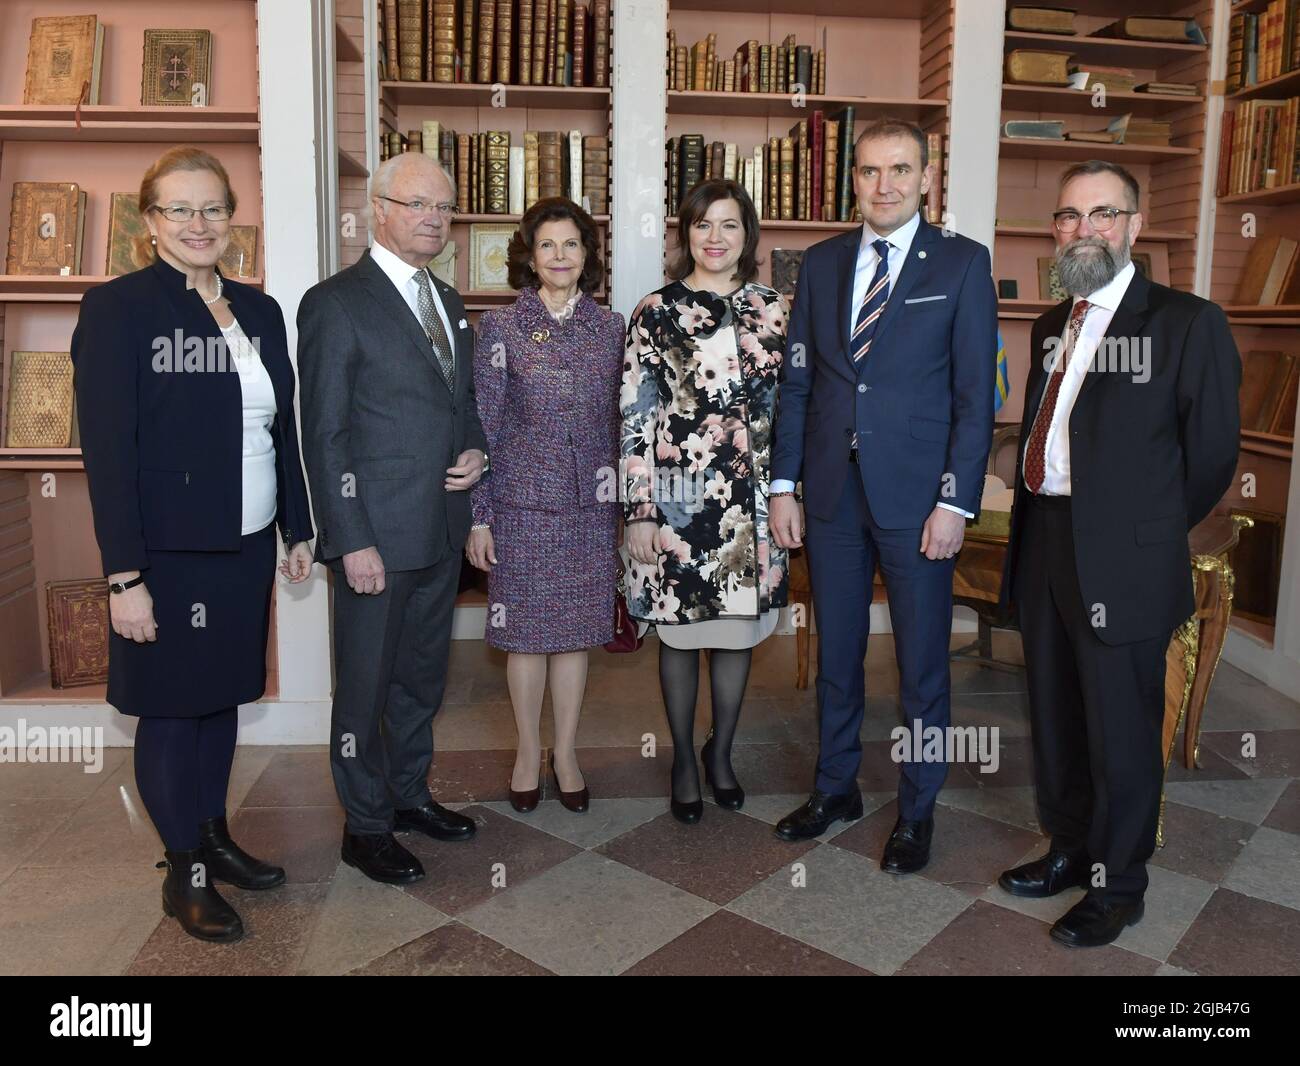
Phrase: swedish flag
(1002,384)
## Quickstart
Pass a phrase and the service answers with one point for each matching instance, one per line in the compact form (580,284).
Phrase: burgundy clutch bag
(625,638)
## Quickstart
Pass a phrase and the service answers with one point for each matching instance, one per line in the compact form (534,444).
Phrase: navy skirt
(213,613)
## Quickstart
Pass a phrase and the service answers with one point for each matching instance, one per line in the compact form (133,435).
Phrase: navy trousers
(842,557)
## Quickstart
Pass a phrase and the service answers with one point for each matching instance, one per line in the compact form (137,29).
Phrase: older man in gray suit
(392,443)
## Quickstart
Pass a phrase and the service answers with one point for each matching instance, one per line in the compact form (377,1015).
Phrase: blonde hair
(181,157)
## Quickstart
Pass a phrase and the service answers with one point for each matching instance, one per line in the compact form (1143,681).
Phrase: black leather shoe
(687,813)
(578,801)
(230,863)
(1092,922)
(1053,873)
(908,848)
(435,821)
(731,798)
(815,816)
(201,911)
(381,858)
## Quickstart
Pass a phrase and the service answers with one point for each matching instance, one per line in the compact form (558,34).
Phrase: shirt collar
(399,271)
(1110,294)
(901,238)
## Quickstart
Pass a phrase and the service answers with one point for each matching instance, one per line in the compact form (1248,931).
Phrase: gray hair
(382,180)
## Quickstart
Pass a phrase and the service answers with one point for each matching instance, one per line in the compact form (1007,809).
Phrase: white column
(975,115)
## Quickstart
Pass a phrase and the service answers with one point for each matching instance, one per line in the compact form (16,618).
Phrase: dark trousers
(842,557)
(182,771)
(390,670)
(1096,711)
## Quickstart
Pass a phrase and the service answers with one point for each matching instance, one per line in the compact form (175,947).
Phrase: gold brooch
(540,335)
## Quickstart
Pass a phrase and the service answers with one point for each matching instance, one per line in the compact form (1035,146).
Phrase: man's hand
(365,571)
(785,520)
(467,471)
(943,533)
(131,612)
(642,539)
(480,549)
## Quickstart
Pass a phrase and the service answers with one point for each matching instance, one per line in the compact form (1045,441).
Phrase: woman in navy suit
(185,403)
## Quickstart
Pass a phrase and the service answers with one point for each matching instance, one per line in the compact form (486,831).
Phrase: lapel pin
(463,323)
(920,255)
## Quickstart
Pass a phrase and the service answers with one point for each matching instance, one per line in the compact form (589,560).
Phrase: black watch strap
(122,586)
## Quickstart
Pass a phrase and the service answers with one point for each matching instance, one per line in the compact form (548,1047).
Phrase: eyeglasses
(421,207)
(184,214)
(1102,218)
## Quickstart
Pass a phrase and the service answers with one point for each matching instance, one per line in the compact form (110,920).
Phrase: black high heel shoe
(686,813)
(730,798)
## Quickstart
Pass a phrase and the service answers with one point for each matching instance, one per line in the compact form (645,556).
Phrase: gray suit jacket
(379,424)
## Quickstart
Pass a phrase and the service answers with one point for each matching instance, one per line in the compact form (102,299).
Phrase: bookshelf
(46,530)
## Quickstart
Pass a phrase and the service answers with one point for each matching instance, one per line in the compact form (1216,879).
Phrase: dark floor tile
(623,772)
(986,939)
(727,945)
(451,950)
(304,840)
(1015,767)
(1285,814)
(868,835)
(295,779)
(1237,935)
(471,776)
(277,923)
(1277,751)
(460,874)
(1200,843)
(720,857)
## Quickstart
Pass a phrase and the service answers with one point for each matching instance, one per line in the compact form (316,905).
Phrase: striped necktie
(869,313)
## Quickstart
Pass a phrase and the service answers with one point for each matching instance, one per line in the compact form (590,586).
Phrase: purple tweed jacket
(548,400)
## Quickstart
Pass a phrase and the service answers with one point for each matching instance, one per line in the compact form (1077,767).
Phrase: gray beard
(1082,271)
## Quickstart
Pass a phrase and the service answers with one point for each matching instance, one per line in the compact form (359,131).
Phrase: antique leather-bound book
(552,26)
(484,48)
(239,260)
(462,172)
(532,169)
(498,172)
(77,612)
(505,32)
(563,41)
(581,39)
(444,42)
(1040,19)
(64,54)
(830,161)
(125,229)
(540,24)
(39,411)
(549,164)
(390,40)
(1027,66)
(177,68)
(787,179)
(934,198)
(45,224)
(600,52)
(410,39)
(844,198)
(595,172)
(1144,28)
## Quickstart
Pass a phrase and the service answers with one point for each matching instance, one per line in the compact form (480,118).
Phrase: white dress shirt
(259,476)
(900,243)
(1056,476)
(403,275)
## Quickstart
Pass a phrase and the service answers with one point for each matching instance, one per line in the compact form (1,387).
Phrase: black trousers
(1096,711)
(390,671)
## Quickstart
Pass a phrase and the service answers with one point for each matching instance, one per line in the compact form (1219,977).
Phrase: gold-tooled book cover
(239,260)
(45,222)
(78,624)
(125,230)
(39,411)
(63,60)
(177,68)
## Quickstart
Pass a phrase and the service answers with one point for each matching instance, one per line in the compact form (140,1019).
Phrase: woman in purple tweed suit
(546,372)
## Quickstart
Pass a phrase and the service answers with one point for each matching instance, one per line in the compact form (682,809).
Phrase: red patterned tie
(1036,452)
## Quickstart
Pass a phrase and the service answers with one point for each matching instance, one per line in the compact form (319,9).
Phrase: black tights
(679,677)
(182,769)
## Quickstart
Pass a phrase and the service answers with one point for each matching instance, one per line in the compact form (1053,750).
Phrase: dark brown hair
(181,157)
(880,128)
(1102,166)
(554,209)
(695,206)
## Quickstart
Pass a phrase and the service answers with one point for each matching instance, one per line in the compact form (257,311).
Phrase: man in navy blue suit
(885,411)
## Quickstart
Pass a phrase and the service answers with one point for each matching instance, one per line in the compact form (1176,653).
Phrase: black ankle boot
(230,863)
(199,908)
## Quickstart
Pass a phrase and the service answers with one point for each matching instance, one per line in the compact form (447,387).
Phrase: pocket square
(925,299)
(463,324)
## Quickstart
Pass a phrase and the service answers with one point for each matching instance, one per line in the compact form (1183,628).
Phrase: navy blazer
(921,400)
(161,421)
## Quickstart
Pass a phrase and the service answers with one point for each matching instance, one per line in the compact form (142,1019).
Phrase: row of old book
(47,225)
(1169,29)
(512,42)
(1271,274)
(806,176)
(1033,66)
(756,68)
(1267,398)
(1258,146)
(1123,129)
(1264,45)
(497,174)
(65,60)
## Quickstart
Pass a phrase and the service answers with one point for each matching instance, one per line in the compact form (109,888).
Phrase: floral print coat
(697,400)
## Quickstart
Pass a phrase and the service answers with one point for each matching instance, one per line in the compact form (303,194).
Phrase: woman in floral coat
(699,386)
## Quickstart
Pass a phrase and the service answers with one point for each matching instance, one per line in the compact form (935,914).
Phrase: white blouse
(259,476)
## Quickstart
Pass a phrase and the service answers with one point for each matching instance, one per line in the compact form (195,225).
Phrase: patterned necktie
(1036,452)
(869,313)
(433,328)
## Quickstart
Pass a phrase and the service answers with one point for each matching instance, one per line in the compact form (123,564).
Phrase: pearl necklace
(214,299)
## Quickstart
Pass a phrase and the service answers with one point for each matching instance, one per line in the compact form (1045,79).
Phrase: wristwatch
(122,586)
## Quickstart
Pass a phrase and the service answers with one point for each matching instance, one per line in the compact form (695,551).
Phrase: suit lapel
(1036,381)
(1125,323)
(914,266)
(846,264)
(396,309)
(461,339)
